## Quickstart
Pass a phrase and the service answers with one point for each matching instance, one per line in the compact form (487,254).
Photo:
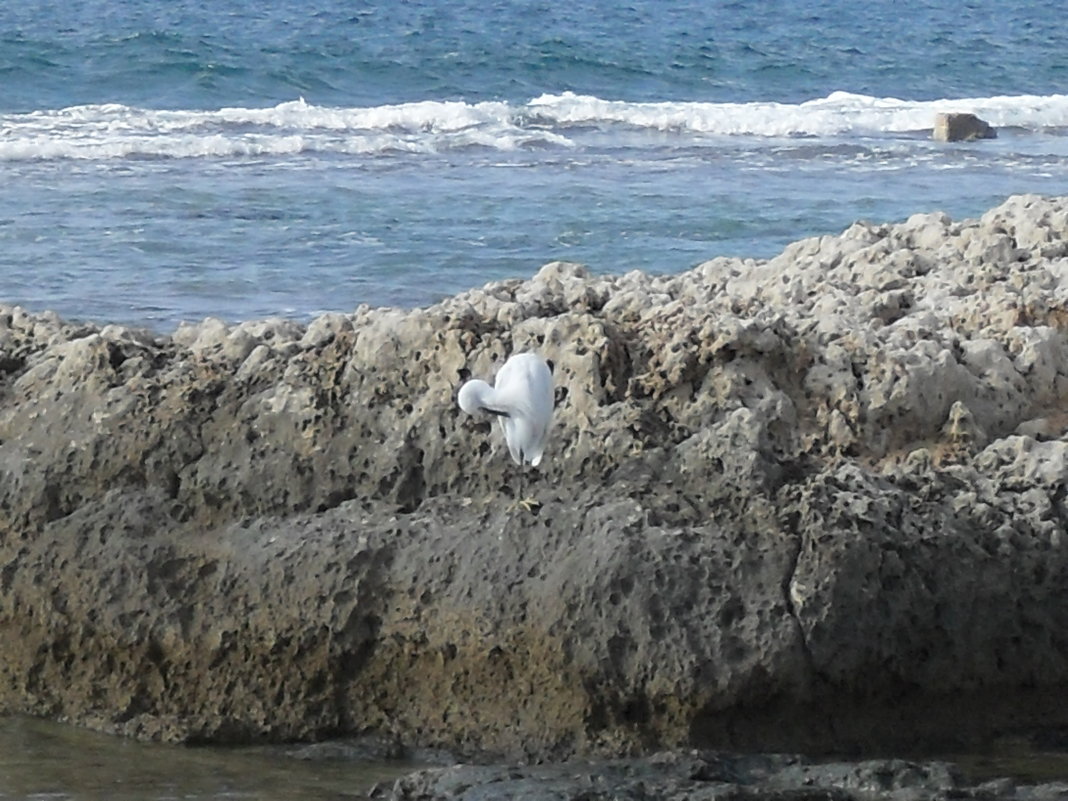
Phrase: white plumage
(522,400)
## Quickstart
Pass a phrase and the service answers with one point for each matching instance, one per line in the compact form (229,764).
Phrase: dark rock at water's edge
(961,127)
(708,776)
(812,503)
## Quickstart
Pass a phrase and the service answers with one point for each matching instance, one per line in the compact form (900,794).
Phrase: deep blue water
(169,160)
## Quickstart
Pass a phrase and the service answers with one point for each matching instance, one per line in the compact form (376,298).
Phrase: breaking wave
(551,121)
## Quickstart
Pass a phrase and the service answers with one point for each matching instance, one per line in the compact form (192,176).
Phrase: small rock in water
(961,127)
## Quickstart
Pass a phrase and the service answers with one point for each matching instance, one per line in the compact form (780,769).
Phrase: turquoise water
(168,161)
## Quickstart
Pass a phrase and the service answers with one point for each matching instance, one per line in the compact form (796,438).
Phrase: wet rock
(961,127)
(709,776)
(815,502)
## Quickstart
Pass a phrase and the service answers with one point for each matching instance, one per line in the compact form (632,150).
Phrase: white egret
(522,401)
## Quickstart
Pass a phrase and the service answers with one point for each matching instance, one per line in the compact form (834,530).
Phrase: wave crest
(112,131)
(839,113)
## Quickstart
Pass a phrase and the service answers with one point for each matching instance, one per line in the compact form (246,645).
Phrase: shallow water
(1016,759)
(41,761)
(45,761)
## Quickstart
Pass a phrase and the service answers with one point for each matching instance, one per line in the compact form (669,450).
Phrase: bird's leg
(530,504)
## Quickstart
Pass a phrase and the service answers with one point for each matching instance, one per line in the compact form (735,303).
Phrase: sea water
(162,161)
(42,761)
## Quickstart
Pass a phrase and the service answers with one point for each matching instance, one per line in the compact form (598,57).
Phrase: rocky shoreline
(712,776)
(814,504)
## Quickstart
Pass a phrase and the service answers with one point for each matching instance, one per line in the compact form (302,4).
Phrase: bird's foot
(531,505)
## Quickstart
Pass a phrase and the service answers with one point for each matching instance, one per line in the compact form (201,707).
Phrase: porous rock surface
(812,502)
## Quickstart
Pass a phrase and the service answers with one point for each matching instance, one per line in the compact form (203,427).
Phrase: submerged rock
(815,502)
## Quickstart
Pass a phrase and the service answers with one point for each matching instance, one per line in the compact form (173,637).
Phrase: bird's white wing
(524,386)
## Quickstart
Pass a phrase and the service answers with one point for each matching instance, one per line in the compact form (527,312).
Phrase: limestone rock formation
(961,127)
(816,501)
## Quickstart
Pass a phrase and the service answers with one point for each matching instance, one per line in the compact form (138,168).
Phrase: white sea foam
(114,131)
(839,113)
(110,131)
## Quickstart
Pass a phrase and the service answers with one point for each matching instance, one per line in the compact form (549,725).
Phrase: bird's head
(471,396)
